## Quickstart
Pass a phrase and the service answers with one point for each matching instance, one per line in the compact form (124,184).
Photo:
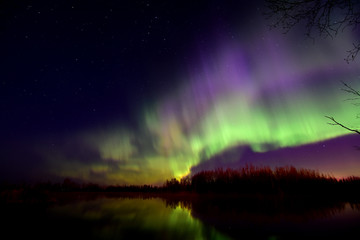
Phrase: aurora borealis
(254,89)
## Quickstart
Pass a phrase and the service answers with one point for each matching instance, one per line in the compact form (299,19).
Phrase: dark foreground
(248,203)
(101,215)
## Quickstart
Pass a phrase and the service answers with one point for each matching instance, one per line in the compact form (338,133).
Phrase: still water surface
(134,218)
(159,218)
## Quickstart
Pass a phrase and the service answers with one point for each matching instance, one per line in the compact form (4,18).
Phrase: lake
(139,216)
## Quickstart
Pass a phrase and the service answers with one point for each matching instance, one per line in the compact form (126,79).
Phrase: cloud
(335,156)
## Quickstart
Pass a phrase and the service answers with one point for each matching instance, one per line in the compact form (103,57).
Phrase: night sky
(136,92)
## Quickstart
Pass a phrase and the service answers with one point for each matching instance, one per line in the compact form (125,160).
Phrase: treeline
(264,180)
(69,185)
(46,192)
(249,180)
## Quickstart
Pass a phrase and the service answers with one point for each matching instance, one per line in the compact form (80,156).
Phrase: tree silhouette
(327,18)
(347,88)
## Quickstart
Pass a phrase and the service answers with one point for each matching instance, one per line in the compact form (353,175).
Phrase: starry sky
(136,92)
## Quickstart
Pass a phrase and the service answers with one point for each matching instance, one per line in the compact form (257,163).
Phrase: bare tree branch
(347,88)
(336,123)
(324,17)
(350,89)
(353,53)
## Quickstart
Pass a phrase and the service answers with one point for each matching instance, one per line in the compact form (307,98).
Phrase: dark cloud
(324,156)
(78,151)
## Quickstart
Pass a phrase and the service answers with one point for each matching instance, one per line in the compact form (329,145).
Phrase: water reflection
(276,218)
(135,218)
(174,216)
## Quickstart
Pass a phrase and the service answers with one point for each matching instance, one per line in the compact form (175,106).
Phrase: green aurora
(231,98)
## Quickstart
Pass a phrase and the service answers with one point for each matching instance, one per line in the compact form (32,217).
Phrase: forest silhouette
(246,181)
